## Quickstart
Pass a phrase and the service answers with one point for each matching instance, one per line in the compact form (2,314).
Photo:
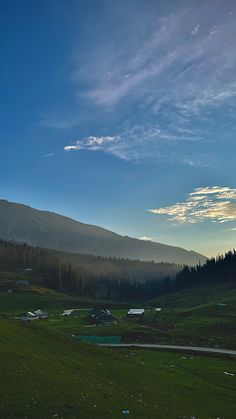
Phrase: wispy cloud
(108,144)
(202,64)
(212,203)
(143,142)
(49,155)
(177,78)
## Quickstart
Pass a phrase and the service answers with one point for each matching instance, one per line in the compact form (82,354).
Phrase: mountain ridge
(20,222)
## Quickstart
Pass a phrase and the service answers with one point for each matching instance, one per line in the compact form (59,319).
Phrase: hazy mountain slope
(42,228)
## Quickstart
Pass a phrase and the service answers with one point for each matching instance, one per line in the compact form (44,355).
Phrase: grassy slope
(46,374)
(198,317)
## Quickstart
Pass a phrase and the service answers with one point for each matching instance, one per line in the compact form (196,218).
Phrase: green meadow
(46,373)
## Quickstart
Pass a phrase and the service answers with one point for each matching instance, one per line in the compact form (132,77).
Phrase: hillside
(46,229)
(85,275)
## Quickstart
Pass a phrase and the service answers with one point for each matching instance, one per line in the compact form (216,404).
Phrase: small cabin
(40,314)
(25,317)
(32,315)
(101,316)
(136,312)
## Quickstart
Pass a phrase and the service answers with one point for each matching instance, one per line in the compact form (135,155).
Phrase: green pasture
(47,374)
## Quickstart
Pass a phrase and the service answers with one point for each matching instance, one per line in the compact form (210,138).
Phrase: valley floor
(46,373)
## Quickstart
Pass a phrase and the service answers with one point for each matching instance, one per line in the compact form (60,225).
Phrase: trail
(172,347)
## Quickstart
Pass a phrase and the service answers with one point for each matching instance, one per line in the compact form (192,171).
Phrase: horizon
(122,116)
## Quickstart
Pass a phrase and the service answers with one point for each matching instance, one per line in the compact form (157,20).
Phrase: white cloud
(72,147)
(108,144)
(211,203)
(195,30)
(146,238)
(143,142)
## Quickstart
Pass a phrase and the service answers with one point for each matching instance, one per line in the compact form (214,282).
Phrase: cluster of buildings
(32,315)
(103,316)
(97,316)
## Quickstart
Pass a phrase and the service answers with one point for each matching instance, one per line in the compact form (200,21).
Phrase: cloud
(195,30)
(146,238)
(49,155)
(203,64)
(170,82)
(211,203)
(108,144)
(144,142)
(163,82)
(136,143)
(72,147)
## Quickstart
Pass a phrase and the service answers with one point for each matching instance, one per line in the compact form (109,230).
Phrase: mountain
(22,223)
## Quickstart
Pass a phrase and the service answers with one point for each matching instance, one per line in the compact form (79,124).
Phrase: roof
(31,314)
(137,311)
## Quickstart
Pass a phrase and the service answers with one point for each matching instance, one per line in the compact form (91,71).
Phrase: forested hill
(46,229)
(90,276)
(215,270)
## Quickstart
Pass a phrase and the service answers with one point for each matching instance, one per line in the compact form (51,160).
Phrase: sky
(122,114)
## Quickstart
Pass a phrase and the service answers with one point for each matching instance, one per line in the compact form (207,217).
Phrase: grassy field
(193,317)
(202,323)
(46,374)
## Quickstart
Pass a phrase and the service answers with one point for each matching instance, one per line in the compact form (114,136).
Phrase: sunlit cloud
(146,238)
(211,203)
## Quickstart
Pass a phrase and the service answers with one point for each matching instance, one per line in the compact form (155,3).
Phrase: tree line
(113,278)
(216,270)
(89,276)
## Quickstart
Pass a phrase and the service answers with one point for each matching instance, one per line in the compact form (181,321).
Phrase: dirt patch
(164,326)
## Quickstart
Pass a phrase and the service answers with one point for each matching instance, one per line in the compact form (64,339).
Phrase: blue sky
(122,114)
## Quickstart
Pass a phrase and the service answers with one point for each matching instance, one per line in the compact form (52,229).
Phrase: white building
(136,312)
